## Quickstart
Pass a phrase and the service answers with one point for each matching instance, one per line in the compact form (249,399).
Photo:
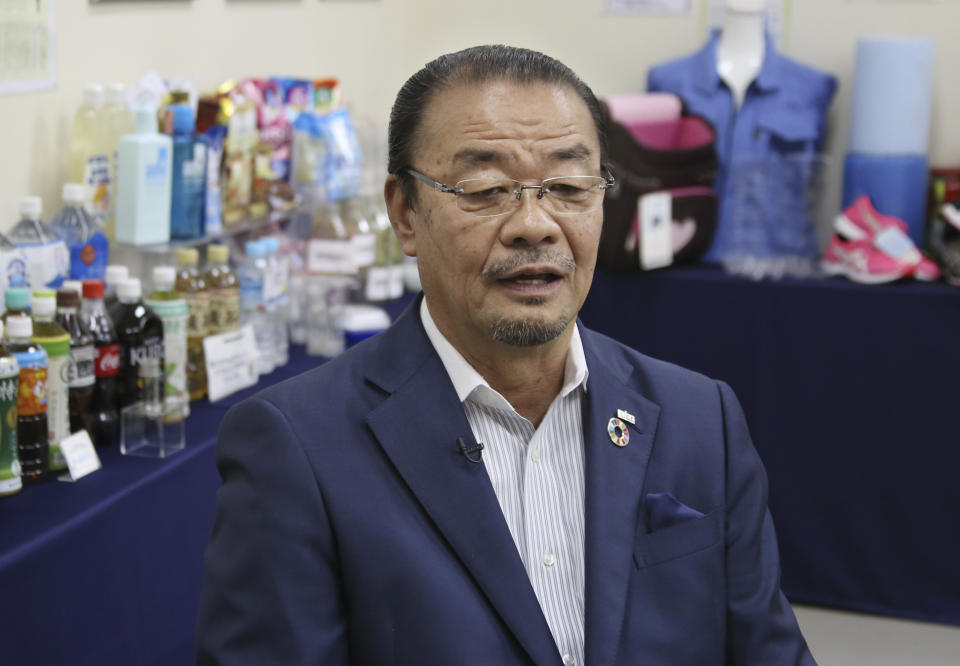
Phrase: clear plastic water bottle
(46,256)
(86,241)
(253,310)
(278,300)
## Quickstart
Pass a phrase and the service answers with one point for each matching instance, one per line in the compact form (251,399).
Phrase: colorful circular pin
(619,434)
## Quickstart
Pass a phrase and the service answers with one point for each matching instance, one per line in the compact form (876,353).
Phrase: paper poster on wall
(647,6)
(27,43)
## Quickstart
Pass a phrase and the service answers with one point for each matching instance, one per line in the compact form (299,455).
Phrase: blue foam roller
(892,96)
(897,185)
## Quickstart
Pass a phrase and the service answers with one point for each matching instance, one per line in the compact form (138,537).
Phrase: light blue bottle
(144,170)
(189,177)
(85,239)
(251,275)
(44,261)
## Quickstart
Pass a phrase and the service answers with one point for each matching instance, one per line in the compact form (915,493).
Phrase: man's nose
(530,223)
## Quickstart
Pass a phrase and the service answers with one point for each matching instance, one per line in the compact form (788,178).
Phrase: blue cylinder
(896,184)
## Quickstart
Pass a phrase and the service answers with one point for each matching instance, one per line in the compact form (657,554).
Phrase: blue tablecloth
(851,394)
(849,391)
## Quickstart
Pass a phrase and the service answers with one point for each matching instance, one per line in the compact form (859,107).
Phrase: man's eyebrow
(475,157)
(577,153)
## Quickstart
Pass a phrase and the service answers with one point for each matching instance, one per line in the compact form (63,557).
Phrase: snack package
(309,160)
(344,160)
(274,126)
(238,162)
(297,95)
(327,95)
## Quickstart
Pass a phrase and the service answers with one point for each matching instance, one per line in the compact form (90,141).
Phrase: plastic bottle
(10,481)
(173,312)
(114,276)
(382,278)
(118,121)
(81,375)
(252,308)
(363,242)
(90,152)
(56,342)
(102,420)
(330,270)
(276,296)
(17,302)
(33,445)
(144,172)
(47,262)
(84,238)
(192,288)
(13,265)
(224,290)
(189,176)
(140,333)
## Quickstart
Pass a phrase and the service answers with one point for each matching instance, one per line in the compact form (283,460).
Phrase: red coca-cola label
(108,361)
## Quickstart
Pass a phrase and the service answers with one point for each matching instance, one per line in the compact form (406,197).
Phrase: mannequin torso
(742,46)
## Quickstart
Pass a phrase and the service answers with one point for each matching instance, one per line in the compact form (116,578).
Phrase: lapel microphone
(466,451)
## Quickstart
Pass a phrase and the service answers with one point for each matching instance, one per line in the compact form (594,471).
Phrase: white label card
(330,256)
(231,360)
(82,458)
(655,212)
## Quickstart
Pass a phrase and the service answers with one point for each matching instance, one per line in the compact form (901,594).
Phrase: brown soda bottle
(102,419)
(33,444)
(81,375)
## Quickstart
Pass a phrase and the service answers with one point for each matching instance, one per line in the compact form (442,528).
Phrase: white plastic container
(144,169)
(251,275)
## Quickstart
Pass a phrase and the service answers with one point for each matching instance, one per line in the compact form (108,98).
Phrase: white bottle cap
(31,206)
(74,194)
(43,306)
(164,277)
(117,93)
(19,326)
(129,289)
(116,273)
(145,120)
(93,95)
(76,285)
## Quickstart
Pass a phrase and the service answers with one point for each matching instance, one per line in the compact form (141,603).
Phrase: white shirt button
(535,456)
(549,560)
(568,659)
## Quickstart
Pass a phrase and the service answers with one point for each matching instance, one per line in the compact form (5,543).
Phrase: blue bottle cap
(17,298)
(255,248)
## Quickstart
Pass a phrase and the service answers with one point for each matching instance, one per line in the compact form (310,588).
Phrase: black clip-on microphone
(465,450)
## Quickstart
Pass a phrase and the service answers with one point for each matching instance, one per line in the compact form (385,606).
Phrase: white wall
(372,45)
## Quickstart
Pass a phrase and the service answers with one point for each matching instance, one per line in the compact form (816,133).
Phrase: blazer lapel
(417,426)
(614,491)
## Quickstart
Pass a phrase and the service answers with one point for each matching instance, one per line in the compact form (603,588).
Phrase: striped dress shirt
(538,477)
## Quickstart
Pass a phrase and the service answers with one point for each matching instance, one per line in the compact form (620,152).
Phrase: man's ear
(401,215)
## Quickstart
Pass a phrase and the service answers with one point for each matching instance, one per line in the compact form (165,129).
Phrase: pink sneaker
(888,233)
(861,261)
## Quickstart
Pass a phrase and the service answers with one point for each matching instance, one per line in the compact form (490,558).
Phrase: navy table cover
(849,391)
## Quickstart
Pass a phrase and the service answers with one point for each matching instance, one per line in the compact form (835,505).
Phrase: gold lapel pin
(618,432)
(626,416)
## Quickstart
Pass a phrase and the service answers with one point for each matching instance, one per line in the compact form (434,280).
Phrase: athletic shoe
(861,261)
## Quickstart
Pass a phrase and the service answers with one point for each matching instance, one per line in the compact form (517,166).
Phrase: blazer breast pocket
(679,540)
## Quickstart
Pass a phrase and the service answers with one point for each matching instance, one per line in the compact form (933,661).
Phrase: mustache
(522,258)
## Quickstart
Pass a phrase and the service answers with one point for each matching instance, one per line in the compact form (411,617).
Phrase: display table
(848,391)
(852,398)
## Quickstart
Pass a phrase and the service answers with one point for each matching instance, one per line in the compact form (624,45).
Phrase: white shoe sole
(833,268)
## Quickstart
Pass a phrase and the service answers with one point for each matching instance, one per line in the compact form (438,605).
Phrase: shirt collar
(705,65)
(466,380)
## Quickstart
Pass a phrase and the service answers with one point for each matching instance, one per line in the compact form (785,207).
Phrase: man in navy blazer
(361,522)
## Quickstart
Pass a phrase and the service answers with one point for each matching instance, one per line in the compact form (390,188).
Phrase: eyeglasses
(490,197)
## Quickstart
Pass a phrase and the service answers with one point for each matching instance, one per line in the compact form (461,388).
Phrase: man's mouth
(531,278)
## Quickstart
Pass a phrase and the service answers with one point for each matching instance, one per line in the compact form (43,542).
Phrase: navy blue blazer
(350,529)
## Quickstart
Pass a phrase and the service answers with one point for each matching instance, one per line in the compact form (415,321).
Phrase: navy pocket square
(664,510)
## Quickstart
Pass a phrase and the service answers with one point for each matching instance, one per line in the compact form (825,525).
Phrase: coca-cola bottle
(140,332)
(81,375)
(101,419)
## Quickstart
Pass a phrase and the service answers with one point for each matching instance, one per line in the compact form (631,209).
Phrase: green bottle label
(9,460)
(58,401)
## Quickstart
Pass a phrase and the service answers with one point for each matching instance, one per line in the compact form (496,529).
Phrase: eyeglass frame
(609,183)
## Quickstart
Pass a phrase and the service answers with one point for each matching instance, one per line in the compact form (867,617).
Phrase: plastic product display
(81,372)
(85,240)
(144,176)
(140,333)
(44,261)
(102,420)
(33,443)
(56,342)
(174,313)
(192,287)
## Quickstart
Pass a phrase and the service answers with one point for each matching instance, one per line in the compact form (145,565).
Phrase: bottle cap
(218,254)
(93,288)
(93,95)
(17,298)
(187,256)
(31,206)
(254,249)
(19,326)
(129,289)
(75,285)
(117,93)
(271,243)
(183,120)
(116,273)
(43,305)
(74,194)
(68,298)
(144,120)
(164,277)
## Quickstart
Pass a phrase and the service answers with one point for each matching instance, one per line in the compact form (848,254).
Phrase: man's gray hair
(478,64)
